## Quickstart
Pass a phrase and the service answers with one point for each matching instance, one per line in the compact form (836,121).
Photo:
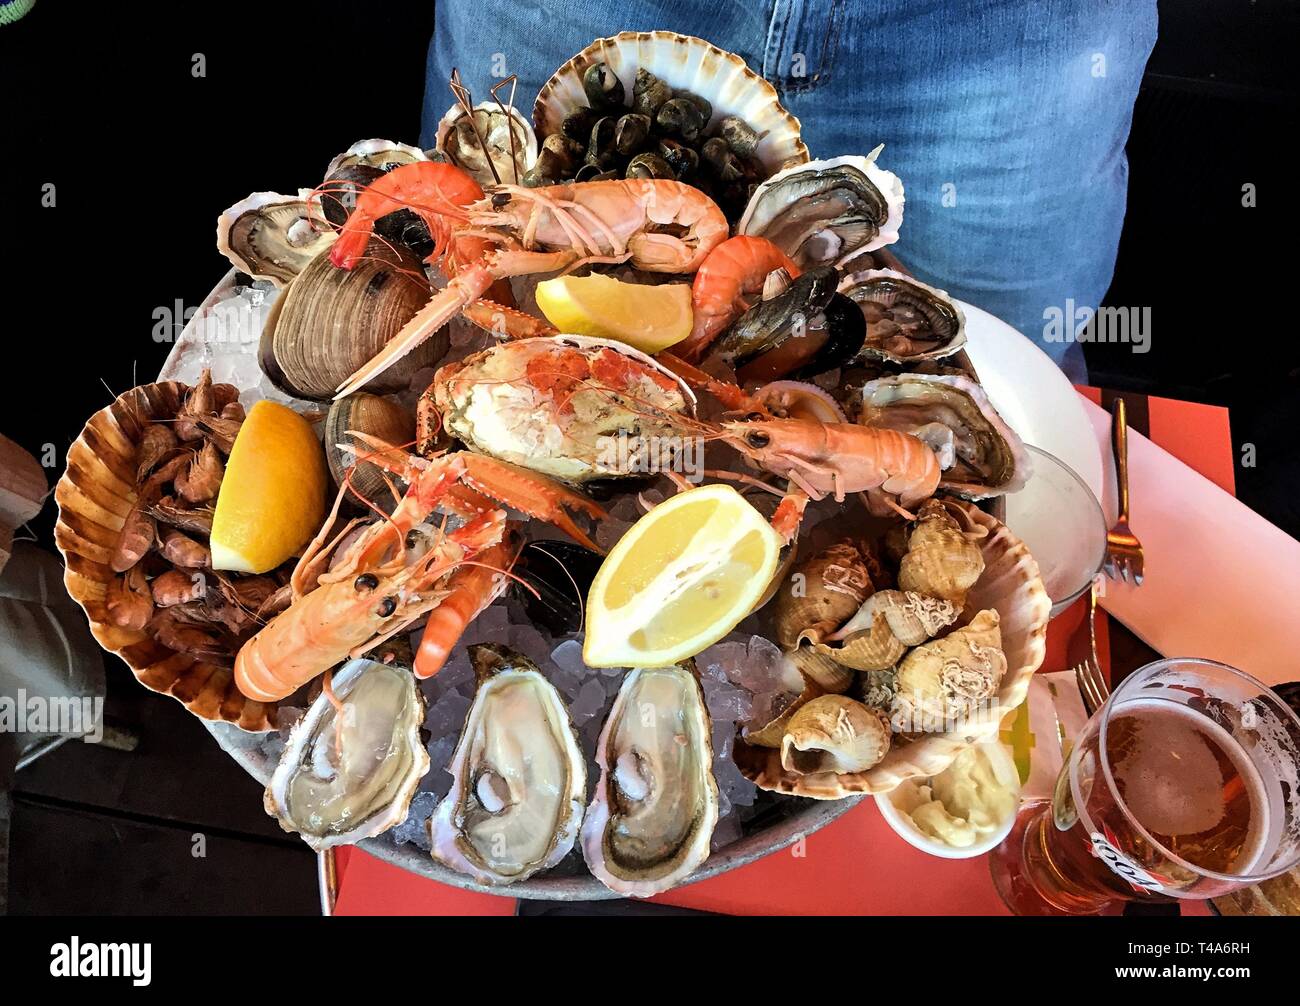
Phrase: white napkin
(1220,581)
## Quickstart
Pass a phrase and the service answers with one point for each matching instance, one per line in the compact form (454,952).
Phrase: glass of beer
(1185,784)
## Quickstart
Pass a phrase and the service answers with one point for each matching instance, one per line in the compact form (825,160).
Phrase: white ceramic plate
(1032,394)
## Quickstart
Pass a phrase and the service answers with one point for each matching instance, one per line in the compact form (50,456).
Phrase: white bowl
(914,836)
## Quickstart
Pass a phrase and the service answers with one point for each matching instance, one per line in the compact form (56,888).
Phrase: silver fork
(1092,683)
(1123,550)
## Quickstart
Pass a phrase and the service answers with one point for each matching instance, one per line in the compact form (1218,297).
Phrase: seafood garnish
(519,779)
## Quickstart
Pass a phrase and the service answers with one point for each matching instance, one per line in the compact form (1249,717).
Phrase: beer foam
(1170,776)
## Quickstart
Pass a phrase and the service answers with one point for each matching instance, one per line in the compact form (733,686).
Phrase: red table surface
(856,865)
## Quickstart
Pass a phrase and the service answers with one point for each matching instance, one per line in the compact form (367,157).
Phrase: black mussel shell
(649,93)
(631,133)
(561,572)
(577,124)
(683,160)
(603,88)
(847,331)
(724,164)
(338,196)
(648,166)
(770,322)
(681,117)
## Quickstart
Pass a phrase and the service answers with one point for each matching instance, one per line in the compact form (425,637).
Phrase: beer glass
(1183,785)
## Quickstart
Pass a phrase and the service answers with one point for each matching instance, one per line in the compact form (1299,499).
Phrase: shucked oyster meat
(350,774)
(907,320)
(980,455)
(827,212)
(519,780)
(273,237)
(656,803)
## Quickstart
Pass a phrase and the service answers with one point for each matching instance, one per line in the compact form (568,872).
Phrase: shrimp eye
(755,417)
(757,440)
(500,199)
(366,581)
(386,607)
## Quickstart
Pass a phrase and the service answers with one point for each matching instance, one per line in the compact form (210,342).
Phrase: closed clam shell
(364,413)
(685,63)
(1011,585)
(940,560)
(94,496)
(330,321)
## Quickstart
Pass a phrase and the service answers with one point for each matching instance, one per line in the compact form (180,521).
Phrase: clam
(827,212)
(945,680)
(660,67)
(656,802)
(462,139)
(519,779)
(821,595)
(940,560)
(805,329)
(799,400)
(364,413)
(272,237)
(834,734)
(328,322)
(907,321)
(349,770)
(888,622)
(979,453)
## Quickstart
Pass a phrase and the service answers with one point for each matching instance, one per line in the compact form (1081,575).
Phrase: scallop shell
(269,218)
(685,62)
(364,413)
(1011,585)
(94,496)
(330,321)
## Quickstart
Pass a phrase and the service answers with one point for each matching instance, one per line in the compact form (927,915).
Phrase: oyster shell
(656,803)
(940,560)
(684,63)
(273,237)
(457,139)
(907,320)
(947,679)
(376,153)
(834,734)
(523,402)
(979,453)
(519,779)
(827,212)
(351,775)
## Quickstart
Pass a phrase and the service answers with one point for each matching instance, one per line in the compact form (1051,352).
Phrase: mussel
(329,321)
(804,330)
(556,576)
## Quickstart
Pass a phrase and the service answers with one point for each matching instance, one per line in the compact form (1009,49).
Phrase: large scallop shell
(1012,586)
(686,62)
(330,321)
(94,496)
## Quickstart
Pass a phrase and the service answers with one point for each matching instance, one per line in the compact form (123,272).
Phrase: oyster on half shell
(907,320)
(980,455)
(273,237)
(346,777)
(656,803)
(519,780)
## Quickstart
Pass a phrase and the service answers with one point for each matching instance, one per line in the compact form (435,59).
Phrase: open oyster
(979,453)
(348,772)
(827,212)
(656,803)
(907,320)
(518,776)
(461,140)
(272,237)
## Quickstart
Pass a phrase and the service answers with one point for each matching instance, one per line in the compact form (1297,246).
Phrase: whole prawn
(655,224)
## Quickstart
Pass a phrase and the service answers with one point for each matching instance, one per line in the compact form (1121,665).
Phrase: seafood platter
(588,505)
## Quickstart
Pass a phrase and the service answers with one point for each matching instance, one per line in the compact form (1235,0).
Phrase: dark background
(100,101)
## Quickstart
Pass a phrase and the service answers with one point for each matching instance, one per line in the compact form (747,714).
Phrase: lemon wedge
(648,318)
(681,578)
(272,498)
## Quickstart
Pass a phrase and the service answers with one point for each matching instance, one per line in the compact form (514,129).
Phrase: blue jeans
(1006,120)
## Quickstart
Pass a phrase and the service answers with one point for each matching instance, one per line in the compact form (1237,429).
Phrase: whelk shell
(834,734)
(940,560)
(945,680)
(821,595)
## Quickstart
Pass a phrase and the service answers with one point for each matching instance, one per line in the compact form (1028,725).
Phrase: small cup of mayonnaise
(965,810)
